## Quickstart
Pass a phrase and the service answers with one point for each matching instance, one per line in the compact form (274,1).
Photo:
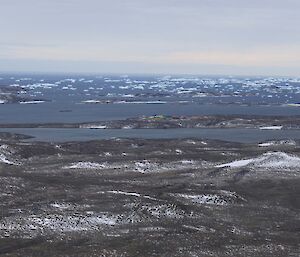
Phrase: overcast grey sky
(237,37)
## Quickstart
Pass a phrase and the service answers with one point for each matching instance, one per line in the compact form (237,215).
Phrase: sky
(218,37)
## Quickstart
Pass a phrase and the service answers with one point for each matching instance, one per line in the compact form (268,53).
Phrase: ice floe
(32,102)
(271,128)
(92,101)
(91,126)
(183,90)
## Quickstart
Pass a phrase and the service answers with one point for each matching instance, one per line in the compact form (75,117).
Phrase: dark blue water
(56,112)
(234,135)
(66,95)
(202,96)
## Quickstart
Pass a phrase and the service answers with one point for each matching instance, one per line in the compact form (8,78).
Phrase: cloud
(169,33)
(285,55)
(269,56)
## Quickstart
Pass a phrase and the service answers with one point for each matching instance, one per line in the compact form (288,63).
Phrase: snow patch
(85,165)
(6,151)
(148,212)
(268,160)
(131,194)
(221,197)
(34,225)
(145,166)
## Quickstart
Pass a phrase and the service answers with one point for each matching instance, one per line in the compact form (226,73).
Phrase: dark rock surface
(149,198)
